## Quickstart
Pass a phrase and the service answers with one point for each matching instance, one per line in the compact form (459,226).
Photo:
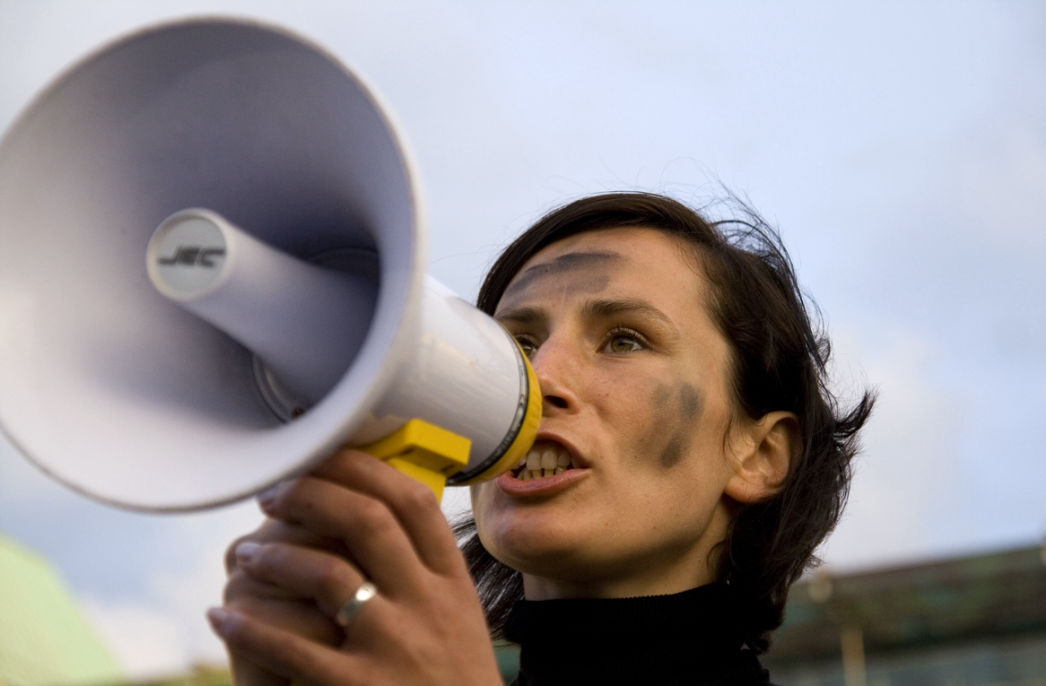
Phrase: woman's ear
(763,456)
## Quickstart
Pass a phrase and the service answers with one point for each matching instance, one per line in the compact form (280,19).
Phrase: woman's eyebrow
(519,315)
(611,308)
(560,265)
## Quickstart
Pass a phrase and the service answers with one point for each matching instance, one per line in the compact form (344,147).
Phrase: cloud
(144,640)
(21,484)
(159,629)
(185,593)
(909,488)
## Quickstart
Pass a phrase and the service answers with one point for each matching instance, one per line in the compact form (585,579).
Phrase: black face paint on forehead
(563,264)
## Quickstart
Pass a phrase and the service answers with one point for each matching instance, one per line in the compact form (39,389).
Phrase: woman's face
(635,430)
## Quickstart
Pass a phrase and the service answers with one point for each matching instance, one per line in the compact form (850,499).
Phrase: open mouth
(544,459)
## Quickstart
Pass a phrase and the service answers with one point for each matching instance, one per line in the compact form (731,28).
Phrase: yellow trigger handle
(424,452)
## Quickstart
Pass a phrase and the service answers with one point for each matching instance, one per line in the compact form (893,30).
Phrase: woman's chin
(529,549)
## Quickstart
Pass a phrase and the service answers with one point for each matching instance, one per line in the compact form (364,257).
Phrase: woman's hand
(351,520)
(276,606)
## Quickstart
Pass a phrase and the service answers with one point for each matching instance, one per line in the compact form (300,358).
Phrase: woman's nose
(556,369)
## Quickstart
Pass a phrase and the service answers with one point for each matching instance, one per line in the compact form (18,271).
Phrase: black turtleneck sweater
(694,637)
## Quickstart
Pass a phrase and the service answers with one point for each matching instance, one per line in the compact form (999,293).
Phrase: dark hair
(779,363)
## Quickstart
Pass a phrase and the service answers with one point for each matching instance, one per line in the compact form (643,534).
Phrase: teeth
(543,461)
(548,459)
(533,460)
(527,475)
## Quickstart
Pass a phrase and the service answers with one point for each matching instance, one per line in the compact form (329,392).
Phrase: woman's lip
(541,486)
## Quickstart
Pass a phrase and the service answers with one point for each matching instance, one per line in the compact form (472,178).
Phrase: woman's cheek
(666,437)
(480,495)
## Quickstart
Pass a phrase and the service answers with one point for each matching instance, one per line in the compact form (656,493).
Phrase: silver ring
(364,594)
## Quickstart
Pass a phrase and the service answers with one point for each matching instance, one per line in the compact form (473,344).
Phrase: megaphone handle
(424,452)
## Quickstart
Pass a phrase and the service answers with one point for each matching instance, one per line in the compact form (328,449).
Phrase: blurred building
(44,638)
(966,621)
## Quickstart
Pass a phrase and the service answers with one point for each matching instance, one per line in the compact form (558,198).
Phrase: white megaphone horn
(212,277)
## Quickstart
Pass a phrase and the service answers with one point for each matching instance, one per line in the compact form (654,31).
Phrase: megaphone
(212,277)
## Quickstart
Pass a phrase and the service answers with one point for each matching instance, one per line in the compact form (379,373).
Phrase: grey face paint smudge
(659,398)
(564,263)
(679,439)
(689,401)
(673,452)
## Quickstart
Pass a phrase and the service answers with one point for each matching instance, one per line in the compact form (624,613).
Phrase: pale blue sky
(899,147)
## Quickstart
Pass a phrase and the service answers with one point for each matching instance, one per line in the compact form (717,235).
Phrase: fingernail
(218,617)
(246,551)
(267,497)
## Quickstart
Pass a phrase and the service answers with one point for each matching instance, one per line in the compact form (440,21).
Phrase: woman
(690,460)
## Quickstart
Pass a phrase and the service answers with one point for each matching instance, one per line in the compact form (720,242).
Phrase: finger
(302,572)
(277,530)
(285,653)
(302,618)
(295,611)
(292,614)
(241,585)
(412,503)
(373,535)
(246,673)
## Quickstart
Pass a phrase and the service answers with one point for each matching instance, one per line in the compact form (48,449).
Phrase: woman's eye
(625,342)
(527,345)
